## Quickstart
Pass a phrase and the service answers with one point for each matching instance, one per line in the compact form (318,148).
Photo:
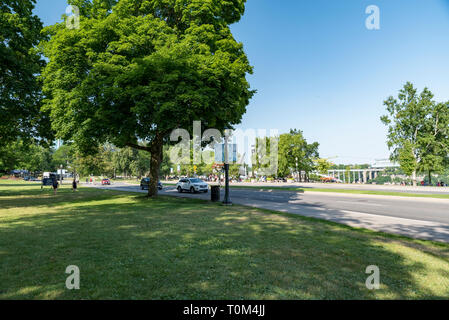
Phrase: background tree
(137,69)
(167,165)
(122,160)
(62,156)
(140,164)
(91,164)
(26,156)
(20,115)
(264,161)
(323,165)
(436,141)
(417,131)
(293,148)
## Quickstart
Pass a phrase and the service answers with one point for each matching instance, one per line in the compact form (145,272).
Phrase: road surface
(422,218)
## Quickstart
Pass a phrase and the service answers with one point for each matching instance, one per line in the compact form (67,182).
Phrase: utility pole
(227,198)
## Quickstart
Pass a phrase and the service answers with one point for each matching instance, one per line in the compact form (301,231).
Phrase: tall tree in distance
(323,165)
(135,70)
(20,63)
(418,131)
(295,154)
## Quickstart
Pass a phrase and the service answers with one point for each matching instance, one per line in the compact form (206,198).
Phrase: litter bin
(215,193)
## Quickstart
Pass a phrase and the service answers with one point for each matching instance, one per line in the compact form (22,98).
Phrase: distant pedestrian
(74,185)
(55,186)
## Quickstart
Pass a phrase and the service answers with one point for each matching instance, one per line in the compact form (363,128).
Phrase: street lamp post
(297,173)
(227,198)
(60,174)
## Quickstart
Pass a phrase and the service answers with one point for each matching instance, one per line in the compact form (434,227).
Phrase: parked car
(193,185)
(145,184)
(47,182)
(105,182)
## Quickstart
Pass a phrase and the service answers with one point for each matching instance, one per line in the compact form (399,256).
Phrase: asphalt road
(372,187)
(423,218)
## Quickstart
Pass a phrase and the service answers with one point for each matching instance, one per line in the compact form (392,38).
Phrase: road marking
(391,217)
(360,202)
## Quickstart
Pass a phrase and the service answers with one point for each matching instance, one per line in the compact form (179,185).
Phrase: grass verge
(131,247)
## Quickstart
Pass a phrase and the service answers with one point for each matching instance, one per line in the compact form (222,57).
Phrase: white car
(192,185)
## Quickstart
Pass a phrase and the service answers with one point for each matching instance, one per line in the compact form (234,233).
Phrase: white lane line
(390,217)
(361,203)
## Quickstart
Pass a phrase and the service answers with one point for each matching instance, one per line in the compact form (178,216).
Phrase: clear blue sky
(318,69)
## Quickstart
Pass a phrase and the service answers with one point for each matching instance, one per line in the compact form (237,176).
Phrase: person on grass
(74,185)
(55,186)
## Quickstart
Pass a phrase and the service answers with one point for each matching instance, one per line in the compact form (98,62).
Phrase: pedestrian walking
(55,186)
(74,185)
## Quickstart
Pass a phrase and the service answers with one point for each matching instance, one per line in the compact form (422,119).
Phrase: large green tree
(27,156)
(137,69)
(20,63)
(296,154)
(418,131)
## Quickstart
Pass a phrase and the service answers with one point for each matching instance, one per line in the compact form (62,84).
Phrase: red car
(105,182)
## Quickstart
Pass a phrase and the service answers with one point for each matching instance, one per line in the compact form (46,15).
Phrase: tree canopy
(20,63)
(295,154)
(137,69)
(418,131)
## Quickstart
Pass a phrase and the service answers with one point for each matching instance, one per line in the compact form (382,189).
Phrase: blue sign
(220,153)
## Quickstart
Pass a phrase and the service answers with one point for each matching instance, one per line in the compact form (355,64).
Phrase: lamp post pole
(297,173)
(227,198)
(60,174)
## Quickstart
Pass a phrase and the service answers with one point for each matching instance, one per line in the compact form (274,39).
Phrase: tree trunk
(414,178)
(156,150)
(430,177)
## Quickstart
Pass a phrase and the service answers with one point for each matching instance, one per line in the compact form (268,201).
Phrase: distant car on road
(145,184)
(193,185)
(105,182)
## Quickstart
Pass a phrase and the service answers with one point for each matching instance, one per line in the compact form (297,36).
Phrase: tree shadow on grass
(179,249)
(36,197)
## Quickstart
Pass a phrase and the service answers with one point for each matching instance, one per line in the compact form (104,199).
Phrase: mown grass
(130,247)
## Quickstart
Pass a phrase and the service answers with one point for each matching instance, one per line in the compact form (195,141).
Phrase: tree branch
(138,147)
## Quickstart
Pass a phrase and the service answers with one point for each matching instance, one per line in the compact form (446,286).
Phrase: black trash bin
(215,193)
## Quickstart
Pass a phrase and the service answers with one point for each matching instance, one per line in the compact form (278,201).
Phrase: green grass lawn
(130,247)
